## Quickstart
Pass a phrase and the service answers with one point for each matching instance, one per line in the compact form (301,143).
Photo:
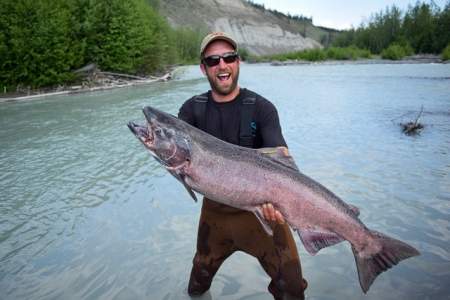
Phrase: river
(86,213)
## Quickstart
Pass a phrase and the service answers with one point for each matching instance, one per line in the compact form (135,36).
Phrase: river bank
(414,59)
(94,80)
(110,80)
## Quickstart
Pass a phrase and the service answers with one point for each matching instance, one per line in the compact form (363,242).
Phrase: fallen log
(121,75)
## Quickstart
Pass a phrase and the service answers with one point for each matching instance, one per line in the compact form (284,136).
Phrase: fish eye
(158,131)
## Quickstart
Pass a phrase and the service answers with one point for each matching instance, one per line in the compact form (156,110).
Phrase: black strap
(248,128)
(200,111)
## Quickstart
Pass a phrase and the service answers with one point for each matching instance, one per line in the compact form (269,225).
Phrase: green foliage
(187,42)
(395,52)
(347,53)
(335,53)
(445,55)
(43,41)
(126,36)
(424,27)
(244,54)
(36,48)
(442,31)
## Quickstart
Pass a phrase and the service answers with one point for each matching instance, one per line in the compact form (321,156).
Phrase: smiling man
(242,117)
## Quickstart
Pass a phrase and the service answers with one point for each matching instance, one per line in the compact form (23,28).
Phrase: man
(241,117)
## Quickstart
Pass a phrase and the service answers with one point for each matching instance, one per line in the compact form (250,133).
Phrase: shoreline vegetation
(99,81)
(48,46)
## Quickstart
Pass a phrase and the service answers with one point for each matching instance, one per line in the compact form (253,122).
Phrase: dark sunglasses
(214,60)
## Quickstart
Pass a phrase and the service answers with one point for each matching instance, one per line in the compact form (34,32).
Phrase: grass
(332,53)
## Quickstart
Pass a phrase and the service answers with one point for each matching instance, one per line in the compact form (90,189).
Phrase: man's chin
(224,91)
(223,88)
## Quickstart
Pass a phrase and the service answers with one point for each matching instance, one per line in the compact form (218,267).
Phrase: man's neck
(225,98)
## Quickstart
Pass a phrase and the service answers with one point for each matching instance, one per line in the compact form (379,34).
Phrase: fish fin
(259,215)
(391,253)
(280,155)
(314,240)
(181,178)
(194,197)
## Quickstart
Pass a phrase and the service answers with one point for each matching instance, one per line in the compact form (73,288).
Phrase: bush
(396,52)
(347,53)
(336,53)
(244,54)
(446,53)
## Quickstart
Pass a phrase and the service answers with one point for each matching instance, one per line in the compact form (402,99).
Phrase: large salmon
(247,178)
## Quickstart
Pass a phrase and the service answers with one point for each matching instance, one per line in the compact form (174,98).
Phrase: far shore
(415,59)
(76,89)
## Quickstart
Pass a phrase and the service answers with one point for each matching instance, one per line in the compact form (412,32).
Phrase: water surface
(86,213)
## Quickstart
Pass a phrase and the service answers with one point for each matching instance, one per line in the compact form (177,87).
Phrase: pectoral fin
(189,190)
(181,178)
(314,240)
(259,215)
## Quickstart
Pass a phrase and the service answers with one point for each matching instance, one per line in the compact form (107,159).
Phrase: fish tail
(391,252)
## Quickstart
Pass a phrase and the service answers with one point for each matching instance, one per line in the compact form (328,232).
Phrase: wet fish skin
(247,178)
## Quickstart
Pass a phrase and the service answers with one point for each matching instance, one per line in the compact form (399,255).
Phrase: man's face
(223,77)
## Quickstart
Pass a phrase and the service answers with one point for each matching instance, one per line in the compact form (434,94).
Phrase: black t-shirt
(222,120)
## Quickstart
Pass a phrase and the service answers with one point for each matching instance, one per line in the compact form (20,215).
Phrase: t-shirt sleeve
(270,127)
(186,113)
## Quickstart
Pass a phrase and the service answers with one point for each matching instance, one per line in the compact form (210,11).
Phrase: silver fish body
(247,178)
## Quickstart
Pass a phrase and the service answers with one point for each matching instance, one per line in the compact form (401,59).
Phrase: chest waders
(223,230)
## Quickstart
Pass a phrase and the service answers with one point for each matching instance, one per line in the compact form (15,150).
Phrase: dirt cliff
(258,30)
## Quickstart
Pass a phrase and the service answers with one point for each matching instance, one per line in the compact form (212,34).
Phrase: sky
(338,14)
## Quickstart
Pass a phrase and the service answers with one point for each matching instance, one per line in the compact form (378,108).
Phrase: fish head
(164,136)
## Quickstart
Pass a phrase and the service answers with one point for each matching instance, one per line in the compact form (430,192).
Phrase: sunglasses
(214,60)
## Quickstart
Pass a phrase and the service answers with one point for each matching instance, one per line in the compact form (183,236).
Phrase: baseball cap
(214,36)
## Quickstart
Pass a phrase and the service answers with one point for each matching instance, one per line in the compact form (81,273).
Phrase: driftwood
(90,79)
(122,75)
(411,128)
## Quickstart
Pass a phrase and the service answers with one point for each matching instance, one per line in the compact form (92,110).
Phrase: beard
(219,88)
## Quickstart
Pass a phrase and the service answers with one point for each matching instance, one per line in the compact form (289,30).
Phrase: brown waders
(224,230)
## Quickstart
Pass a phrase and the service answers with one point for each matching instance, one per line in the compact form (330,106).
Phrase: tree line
(43,41)
(422,28)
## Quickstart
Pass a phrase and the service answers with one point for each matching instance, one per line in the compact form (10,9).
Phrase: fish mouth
(142,132)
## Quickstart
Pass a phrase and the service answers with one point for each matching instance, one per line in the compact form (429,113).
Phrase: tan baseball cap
(214,36)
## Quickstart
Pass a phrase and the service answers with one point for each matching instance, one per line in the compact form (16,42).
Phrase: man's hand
(271,214)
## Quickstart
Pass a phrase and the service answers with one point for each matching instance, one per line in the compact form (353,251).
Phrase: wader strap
(248,127)
(200,111)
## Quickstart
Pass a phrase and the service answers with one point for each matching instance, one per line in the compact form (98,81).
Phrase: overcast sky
(337,14)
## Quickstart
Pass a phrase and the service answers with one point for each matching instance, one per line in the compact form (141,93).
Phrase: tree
(36,46)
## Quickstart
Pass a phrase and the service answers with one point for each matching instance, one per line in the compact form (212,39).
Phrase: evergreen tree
(423,26)
(36,48)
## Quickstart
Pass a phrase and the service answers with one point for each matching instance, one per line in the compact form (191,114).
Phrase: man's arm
(269,212)
(186,113)
(272,137)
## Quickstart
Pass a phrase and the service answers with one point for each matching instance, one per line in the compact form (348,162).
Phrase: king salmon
(247,178)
